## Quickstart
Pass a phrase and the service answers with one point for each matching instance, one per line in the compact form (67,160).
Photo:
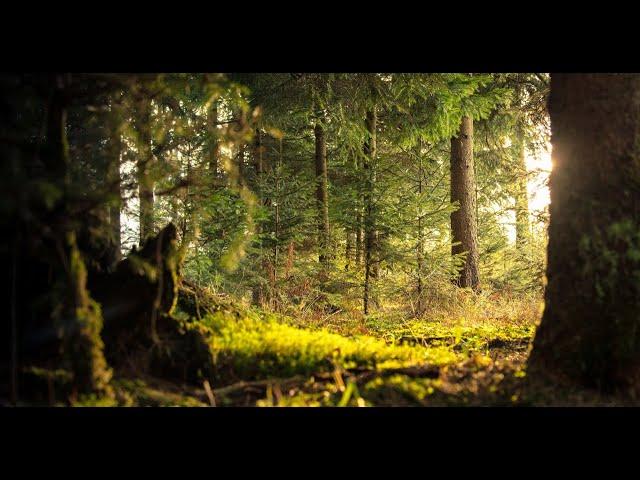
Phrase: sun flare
(539,168)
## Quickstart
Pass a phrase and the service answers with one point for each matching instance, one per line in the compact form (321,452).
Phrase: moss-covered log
(138,301)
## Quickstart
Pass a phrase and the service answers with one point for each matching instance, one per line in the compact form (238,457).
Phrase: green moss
(82,321)
(410,390)
(466,339)
(261,348)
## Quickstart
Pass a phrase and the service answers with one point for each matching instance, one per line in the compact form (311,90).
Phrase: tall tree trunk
(276,244)
(359,236)
(463,190)
(240,164)
(258,153)
(79,316)
(370,232)
(359,227)
(348,250)
(590,329)
(114,181)
(144,164)
(521,194)
(257,292)
(322,196)
(420,243)
(213,145)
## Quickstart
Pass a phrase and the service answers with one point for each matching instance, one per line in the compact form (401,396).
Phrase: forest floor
(262,359)
(271,362)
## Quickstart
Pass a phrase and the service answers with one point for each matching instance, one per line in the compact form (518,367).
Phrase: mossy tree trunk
(590,330)
(79,316)
(82,322)
(464,234)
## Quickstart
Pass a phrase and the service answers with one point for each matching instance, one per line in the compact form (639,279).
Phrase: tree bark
(463,221)
(590,332)
(322,196)
(370,232)
(79,316)
(420,242)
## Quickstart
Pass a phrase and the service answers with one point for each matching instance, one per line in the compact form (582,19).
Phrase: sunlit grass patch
(264,347)
(489,312)
(469,339)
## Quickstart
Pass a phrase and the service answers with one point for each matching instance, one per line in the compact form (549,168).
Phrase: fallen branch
(429,371)
(242,385)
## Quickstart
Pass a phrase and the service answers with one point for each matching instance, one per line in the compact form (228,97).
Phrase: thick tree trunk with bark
(590,330)
(370,232)
(322,196)
(463,190)
(79,316)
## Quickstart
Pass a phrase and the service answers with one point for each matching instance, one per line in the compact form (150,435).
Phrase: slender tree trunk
(187,204)
(348,250)
(240,165)
(359,236)
(359,217)
(144,164)
(114,181)
(257,293)
(521,196)
(463,190)
(322,196)
(590,329)
(259,153)
(370,232)
(213,145)
(276,204)
(420,243)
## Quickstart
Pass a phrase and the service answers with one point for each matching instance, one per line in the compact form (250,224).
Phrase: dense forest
(320,239)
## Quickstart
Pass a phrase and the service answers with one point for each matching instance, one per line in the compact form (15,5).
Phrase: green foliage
(246,213)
